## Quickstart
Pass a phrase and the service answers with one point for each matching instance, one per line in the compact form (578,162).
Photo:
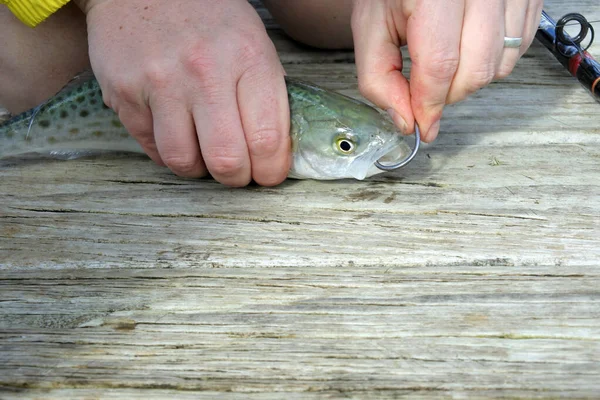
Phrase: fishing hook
(407,159)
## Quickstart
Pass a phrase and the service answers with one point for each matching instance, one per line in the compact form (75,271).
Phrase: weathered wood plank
(236,329)
(473,272)
(480,207)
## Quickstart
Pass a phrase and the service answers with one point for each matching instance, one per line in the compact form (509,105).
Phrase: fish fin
(34,112)
(79,79)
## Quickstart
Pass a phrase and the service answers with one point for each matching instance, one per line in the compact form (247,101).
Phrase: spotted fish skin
(75,119)
(76,122)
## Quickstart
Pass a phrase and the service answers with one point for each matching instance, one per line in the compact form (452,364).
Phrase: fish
(333,136)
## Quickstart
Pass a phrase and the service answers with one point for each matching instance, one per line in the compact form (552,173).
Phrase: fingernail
(433,132)
(398,121)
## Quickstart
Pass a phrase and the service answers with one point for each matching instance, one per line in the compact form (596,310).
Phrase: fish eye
(345,145)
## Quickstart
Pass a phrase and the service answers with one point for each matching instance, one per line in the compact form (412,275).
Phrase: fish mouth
(395,154)
(392,165)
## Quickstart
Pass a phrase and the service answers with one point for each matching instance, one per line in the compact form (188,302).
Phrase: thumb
(379,63)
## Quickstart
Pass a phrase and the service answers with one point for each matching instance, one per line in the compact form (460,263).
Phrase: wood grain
(474,272)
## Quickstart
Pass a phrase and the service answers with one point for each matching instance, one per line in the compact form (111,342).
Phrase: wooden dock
(472,273)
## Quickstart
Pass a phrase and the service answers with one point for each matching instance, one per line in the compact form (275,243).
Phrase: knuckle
(480,78)
(123,90)
(251,42)
(226,166)
(265,142)
(157,76)
(427,112)
(252,61)
(138,126)
(182,164)
(201,62)
(146,140)
(143,137)
(251,51)
(255,52)
(442,66)
(272,178)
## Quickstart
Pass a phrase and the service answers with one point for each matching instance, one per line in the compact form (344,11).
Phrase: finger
(532,23)
(134,113)
(480,48)
(220,134)
(515,14)
(264,109)
(433,34)
(379,62)
(137,120)
(175,136)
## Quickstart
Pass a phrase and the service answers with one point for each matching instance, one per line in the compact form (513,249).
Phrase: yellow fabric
(32,12)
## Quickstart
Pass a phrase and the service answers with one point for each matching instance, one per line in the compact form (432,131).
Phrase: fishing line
(591,22)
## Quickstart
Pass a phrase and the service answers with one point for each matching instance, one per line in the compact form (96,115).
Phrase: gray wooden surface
(474,272)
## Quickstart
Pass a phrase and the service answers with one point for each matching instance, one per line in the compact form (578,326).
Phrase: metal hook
(407,159)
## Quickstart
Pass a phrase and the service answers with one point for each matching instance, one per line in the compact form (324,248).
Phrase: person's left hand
(456,48)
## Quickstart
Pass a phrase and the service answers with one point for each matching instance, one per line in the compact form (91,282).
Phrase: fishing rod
(571,51)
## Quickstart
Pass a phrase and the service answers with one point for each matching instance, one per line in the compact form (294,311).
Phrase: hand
(456,48)
(197,82)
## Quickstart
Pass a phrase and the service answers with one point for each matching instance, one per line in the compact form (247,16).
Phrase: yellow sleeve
(32,12)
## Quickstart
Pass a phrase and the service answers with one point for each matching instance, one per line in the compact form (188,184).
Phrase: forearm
(323,24)
(318,23)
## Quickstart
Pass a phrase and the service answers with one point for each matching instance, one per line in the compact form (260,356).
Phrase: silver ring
(512,42)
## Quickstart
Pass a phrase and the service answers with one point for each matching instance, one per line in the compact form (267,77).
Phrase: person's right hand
(197,82)
(456,48)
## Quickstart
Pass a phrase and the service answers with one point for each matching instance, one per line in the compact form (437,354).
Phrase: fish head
(339,137)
